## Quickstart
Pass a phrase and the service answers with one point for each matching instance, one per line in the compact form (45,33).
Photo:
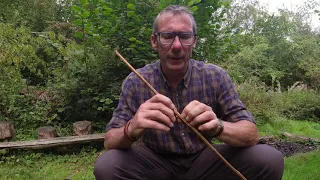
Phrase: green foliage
(274,48)
(302,166)
(309,65)
(301,105)
(267,105)
(122,25)
(258,102)
(214,36)
(23,74)
(35,14)
(86,84)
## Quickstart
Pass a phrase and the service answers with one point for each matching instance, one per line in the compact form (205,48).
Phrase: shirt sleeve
(231,107)
(127,105)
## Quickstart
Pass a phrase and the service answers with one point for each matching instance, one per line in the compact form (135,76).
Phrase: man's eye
(167,35)
(185,36)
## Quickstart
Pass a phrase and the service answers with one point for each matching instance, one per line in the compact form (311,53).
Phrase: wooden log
(6,130)
(47,132)
(53,142)
(299,138)
(82,128)
(267,139)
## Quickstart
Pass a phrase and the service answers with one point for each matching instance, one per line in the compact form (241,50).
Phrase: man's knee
(266,161)
(105,165)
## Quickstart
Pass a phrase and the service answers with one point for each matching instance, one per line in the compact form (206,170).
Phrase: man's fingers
(153,124)
(159,98)
(194,109)
(188,108)
(209,126)
(161,108)
(159,116)
(202,118)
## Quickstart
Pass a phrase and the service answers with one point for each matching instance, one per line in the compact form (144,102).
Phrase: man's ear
(154,44)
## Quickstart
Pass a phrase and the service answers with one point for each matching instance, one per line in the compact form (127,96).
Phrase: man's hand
(201,117)
(155,113)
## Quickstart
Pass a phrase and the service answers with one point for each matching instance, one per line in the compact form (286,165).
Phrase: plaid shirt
(206,83)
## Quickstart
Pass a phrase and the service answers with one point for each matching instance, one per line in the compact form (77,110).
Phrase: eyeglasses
(186,38)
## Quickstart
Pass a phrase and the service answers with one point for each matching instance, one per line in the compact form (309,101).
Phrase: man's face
(175,56)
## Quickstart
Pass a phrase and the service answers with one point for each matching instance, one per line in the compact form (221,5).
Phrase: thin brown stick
(179,115)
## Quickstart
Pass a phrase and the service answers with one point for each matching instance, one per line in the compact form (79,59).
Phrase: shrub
(301,105)
(267,105)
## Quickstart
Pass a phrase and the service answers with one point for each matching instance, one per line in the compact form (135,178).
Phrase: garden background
(57,66)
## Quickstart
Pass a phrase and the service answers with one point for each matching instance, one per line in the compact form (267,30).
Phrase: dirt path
(288,148)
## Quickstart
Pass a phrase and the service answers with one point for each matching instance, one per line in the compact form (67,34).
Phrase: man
(205,97)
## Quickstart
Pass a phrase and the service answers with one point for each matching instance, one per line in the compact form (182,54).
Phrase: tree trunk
(47,132)
(82,128)
(6,130)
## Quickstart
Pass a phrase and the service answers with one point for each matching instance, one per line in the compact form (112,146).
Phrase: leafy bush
(24,99)
(301,105)
(258,101)
(87,86)
(267,105)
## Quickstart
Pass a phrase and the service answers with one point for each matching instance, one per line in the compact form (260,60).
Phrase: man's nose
(176,43)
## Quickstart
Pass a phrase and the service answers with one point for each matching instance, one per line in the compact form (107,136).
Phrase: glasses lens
(186,38)
(168,37)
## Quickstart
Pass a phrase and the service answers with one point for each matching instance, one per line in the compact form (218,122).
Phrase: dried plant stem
(180,117)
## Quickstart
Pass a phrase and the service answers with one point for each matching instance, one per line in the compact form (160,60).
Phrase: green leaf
(78,22)
(85,14)
(132,39)
(130,6)
(76,9)
(133,46)
(139,42)
(61,109)
(130,13)
(78,34)
(194,8)
(190,3)
(84,2)
(107,11)
(131,24)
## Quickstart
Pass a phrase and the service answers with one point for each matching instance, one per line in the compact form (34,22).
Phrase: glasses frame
(158,34)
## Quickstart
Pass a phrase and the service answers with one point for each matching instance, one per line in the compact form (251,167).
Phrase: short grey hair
(175,9)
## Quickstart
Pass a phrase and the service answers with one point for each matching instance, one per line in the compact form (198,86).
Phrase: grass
(302,166)
(49,166)
(301,128)
(22,165)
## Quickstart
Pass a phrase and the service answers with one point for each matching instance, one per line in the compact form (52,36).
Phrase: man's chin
(176,65)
